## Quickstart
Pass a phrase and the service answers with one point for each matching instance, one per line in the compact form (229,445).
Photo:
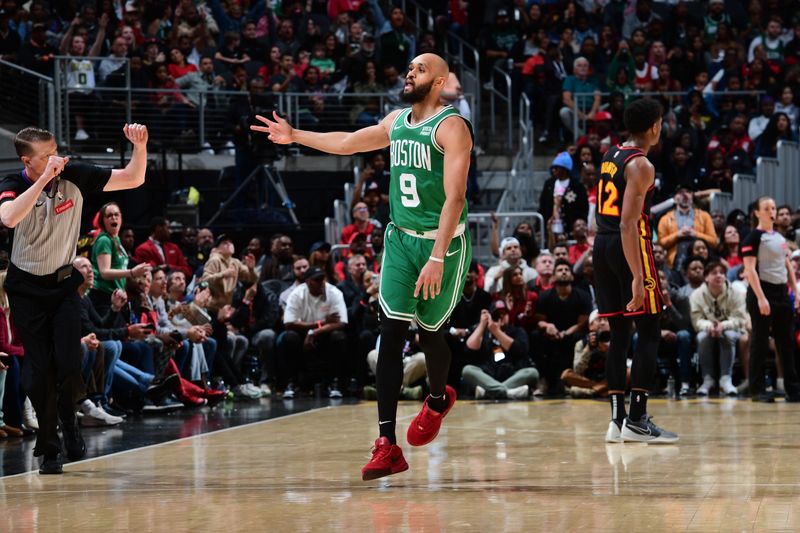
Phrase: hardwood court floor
(532,466)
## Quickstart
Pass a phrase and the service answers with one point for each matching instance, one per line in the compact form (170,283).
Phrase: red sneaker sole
(369,475)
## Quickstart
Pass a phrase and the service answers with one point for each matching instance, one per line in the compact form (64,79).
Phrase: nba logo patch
(426,130)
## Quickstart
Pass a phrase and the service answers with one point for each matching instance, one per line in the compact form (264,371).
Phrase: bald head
(427,75)
(436,64)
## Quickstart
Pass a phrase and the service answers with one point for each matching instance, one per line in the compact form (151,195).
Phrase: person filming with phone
(587,377)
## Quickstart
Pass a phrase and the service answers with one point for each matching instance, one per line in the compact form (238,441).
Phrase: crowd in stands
(185,318)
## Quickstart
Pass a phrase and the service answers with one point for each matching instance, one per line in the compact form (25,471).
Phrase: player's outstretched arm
(367,139)
(639,176)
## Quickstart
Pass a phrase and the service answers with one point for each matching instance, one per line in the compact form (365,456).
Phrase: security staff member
(43,203)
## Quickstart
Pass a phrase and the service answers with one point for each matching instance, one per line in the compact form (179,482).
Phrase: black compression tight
(644,360)
(389,374)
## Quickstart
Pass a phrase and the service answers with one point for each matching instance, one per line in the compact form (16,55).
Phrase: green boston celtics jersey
(416,189)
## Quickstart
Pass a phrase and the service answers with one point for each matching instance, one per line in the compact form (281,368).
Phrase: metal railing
(27,98)
(745,190)
(520,188)
(503,94)
(674,97)
(459,53)
(789,188)
(480,227)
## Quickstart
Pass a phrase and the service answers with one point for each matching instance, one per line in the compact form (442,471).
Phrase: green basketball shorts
(404,256)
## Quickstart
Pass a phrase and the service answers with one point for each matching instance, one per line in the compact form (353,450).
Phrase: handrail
(26,70)
(495,93)
(667,94)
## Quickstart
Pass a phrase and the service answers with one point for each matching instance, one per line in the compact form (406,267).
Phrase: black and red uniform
(613,277)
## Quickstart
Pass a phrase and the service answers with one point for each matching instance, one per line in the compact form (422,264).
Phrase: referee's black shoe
(51,464)
(73,442)
(764,397)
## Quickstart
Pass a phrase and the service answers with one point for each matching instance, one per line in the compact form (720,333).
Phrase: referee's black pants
(780,324)
(47,317)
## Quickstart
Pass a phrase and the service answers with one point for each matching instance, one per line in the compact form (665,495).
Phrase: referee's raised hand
(136,134)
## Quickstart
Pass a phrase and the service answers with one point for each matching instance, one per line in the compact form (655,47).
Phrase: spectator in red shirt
(158,251)
(520,301)
(178,67)
(361,224)
(581,245)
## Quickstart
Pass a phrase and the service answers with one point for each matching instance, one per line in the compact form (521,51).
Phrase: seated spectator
(581,246)
(728,250)
(544,273)
(562,315)
(101,350)
(717,174)
(778,129)
(299,268)
(680,226)
(178,66)
(257,317)
(361,223)
(414,368)
(280,262)
(397,44)
(563,199)
(157,250)
(504,369)
(319,59)
(675,348)
(115,61)
(511,256)
(719,317)
(784,223)
(786,105)
(585,105)
(759,123)
(109,259)
(287,80)
(463,321)
(353,285)
(10,41)
(312,349)
(520,302)
(320,256)
(37,54)
(560,251)
(587,377)
(13,402)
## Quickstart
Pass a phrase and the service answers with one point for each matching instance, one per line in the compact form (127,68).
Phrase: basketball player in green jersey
(427,249)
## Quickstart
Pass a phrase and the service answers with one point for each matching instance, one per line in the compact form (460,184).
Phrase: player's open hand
(279,131)
(637,290)
(136,134)
(430,280)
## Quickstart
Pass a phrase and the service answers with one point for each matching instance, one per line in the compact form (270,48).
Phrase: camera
(603,336)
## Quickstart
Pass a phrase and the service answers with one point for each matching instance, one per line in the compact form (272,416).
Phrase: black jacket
(113,326)
(574,205)
(516,357)
(264,312)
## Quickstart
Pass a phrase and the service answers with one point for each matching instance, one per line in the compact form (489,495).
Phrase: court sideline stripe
(215,432)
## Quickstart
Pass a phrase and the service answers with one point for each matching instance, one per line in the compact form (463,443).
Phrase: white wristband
(436,259)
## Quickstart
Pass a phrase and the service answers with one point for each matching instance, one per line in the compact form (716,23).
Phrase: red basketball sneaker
(387,459)
(426,425)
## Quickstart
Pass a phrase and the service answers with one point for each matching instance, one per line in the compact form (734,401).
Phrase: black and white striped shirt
(46,238)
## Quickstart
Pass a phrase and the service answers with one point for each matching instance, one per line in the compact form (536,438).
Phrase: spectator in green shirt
(110,260)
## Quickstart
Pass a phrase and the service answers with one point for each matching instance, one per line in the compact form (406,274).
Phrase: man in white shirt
(314,346)
(115,61)
(759,123)
(299,268)
(511,256)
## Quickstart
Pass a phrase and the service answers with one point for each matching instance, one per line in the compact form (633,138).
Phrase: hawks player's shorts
(404,255)
(613,278)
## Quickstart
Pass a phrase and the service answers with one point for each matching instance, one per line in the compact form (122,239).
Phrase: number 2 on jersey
(408,186)
(607,196)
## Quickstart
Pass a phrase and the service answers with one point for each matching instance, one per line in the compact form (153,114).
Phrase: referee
(768,272)
(43,204)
